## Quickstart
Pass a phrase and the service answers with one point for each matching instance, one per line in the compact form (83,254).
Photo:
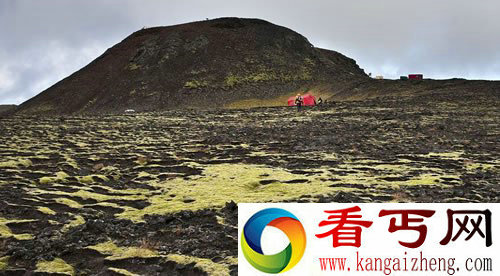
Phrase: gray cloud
(45,41)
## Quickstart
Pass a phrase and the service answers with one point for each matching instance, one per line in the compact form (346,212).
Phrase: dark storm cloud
(42,42)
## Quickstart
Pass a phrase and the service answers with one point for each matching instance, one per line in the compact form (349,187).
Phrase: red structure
(416,76)
(309,100)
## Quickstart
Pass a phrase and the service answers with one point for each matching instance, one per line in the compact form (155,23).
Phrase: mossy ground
(206,265)
(153,183)
(55,266)
(4,263)
(115,252)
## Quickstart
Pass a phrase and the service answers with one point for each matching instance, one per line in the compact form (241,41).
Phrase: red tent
(309,100)
(416,76)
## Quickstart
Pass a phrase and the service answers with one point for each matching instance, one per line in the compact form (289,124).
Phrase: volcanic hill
(226,62)
(6,109)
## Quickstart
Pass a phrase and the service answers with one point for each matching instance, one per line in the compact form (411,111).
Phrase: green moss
(71,162)
(402,168)
(444,155)
(101,197)
(5,231)
(46,180)
(231,261)
(46,210)
(427,179)
(122,271)
(194,84)
(259,153)
(81,145)
(89,179)
(231,80)
(227,182)
(206,265)
(117,253)
(309,62)
(133,66)
(107,248)
(14,164)
(481,166)
(111,171)
(60,177)
(4,263)
(220,220)
(77,220)
(89,195)
(68,202)
(144,174)
(263,76)
(304,73)
(55,266)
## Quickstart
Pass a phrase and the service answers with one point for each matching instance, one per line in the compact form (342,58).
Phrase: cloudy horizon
(46,41)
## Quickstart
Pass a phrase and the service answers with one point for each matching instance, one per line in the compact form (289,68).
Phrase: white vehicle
(130,111)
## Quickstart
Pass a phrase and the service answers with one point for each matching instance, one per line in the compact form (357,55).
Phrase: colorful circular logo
(252,234)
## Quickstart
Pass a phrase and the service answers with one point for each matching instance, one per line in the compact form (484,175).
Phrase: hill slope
(6,109)
(204,64)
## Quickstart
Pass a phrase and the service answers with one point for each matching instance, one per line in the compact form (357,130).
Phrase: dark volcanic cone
(6,109)
(203,64)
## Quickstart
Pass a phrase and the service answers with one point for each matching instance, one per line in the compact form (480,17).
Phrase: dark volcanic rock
(6,109)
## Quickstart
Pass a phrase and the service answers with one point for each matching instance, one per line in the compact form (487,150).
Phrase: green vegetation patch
(122,271)
(225,182)
(60,177)
(88,179)
(87,195)
(77,220)
(68,202)
(14,164)
(55,266)
(473,166)
(46,210)
(194,84)
(206,265)
(5,231)
(264,75)
(133,66)
(444,155)
(117,253)
(4,263)
(423,176)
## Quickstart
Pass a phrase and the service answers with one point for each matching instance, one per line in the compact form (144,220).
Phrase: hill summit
(208,64)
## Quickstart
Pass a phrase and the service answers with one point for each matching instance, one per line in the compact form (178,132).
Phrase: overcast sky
(43,41)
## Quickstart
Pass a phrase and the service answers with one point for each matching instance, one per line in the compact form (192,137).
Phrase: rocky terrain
(7,109)
(394,88)
(156,193)
(226,62)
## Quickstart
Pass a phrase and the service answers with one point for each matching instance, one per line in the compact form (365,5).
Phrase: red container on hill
(416,76)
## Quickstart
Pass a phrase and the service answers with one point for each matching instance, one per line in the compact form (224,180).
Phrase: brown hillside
(6,109)
(207,64)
